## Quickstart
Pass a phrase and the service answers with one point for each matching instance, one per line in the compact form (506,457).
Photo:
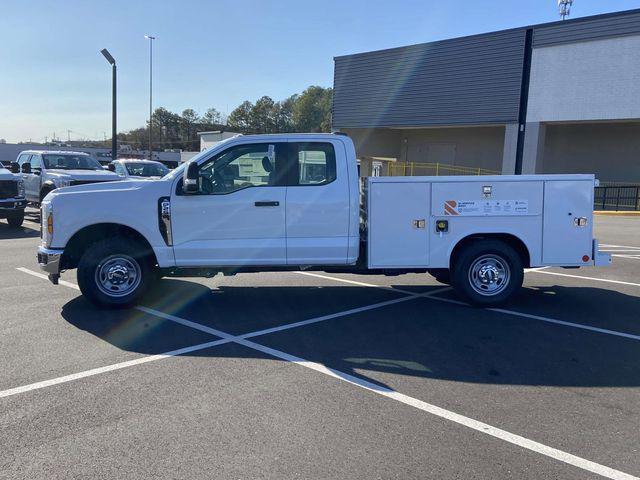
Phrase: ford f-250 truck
(294,202)
(46,170)
(12,199)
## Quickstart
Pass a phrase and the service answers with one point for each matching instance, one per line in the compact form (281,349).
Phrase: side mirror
(26,168)
(15,167)
(111,167)
(190,178)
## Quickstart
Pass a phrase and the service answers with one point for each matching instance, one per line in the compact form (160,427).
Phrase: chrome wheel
(489,275)
(118,275)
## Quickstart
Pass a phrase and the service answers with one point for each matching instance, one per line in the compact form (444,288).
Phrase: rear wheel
(115,272)
(487,272)
(15,219)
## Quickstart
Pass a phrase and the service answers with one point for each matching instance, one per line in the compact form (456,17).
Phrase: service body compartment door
(565,241)
(398,224)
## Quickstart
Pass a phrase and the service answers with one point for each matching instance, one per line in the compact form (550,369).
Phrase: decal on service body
(485,207)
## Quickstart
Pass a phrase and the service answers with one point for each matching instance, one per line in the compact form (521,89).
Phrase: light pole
(151,39)
(114,133)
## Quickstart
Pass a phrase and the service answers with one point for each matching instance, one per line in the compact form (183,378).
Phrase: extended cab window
(243,166)
(24,158)
(315,163)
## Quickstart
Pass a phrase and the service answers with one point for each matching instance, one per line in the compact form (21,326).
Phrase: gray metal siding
(470,80)
(583,30)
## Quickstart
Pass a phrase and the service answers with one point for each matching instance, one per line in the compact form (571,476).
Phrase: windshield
(140,169)
(70,162)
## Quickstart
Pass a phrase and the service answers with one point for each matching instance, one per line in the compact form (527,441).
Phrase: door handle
(267,204)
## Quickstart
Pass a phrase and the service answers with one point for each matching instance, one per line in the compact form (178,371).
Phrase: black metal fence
(617,197)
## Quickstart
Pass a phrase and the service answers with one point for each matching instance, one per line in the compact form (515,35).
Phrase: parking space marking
(607,245)
(42,275)
(360,284)
(633,257)
(225,337)
(582,277)
(109,368)
(468,422)
(579,326)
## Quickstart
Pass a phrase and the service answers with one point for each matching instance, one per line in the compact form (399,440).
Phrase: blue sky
(213,53)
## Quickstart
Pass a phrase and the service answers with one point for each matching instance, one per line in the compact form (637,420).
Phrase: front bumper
(49,261)
(12,204)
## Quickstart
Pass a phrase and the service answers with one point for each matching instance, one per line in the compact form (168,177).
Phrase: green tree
(212,117)
(284,114)
(312,110)
(240,118)
(263,116)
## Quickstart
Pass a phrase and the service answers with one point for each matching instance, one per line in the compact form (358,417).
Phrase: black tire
(15,219)
(98,281)
(442,275)
(44,192)
(477,269)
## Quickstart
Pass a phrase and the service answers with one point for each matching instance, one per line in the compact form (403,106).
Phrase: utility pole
(114,131)
(151,39)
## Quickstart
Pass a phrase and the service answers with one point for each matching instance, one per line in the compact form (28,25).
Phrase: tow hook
(54,277)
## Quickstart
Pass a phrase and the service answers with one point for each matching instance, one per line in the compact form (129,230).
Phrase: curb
(617,213)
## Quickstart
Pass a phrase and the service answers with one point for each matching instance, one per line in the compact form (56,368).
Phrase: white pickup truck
(294,202)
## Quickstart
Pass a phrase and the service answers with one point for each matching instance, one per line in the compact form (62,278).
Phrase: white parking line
(42,275)
(607,245)
(226,338)
(468,422)
(579,326)
(633,257)
(605,280)
(109,368)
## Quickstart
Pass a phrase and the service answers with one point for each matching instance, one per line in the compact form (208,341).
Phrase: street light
(151,39)
(114,133)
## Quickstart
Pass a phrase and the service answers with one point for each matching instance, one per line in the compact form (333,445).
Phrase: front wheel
(15,219)
(487,272)
(114,273)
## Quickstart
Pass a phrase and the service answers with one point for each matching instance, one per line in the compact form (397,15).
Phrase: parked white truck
(12,200)
(294,202)
(46,170)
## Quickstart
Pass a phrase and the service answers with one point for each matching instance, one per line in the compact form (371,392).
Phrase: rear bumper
(49,261)
(600,259)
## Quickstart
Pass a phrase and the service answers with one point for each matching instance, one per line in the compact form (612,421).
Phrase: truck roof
(55,152)
(289,136)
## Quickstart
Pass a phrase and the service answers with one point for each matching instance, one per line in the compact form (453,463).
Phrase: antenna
(564,8)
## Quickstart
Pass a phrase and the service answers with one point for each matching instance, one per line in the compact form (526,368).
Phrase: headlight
(21,188)
(62,182)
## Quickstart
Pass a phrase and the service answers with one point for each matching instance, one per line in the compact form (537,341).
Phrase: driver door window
(36,163)
(244,166)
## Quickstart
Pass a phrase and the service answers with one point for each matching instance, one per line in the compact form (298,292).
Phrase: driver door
(237,218)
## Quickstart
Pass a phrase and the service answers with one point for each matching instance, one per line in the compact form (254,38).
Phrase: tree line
(309,111)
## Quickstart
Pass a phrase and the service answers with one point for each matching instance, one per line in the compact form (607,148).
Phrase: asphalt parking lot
(305,375)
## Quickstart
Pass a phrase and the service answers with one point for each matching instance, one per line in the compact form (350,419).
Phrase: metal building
(561,97)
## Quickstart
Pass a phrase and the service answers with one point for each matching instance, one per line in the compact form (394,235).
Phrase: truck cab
(295,202)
